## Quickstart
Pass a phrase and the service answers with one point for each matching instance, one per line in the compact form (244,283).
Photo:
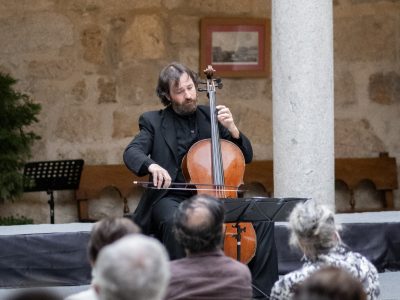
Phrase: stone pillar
(302,88)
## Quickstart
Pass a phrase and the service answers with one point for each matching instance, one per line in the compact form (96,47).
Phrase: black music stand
(257,209)
(54,175)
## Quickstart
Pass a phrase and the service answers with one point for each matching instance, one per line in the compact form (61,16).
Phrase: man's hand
(226,119)
(161,177)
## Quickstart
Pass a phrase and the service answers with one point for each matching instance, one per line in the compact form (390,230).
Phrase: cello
(220,164)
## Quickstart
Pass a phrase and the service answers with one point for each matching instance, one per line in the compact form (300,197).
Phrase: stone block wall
(367,69)
(93,66)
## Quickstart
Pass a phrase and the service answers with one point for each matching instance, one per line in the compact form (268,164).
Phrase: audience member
(330,283)
(34,294)
(103,233)
(313,230)
(134,267)
(205,273)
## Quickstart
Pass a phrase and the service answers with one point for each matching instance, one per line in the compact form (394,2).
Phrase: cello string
(218,172)
(249,235)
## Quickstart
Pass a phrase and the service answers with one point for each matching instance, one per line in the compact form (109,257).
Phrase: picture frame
(236,47)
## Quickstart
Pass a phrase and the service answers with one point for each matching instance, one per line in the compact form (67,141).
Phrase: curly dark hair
(198,224)
(171,74)
(35,294)
(107,231)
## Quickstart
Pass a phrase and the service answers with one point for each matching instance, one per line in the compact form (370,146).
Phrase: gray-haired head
(313,229)
(134,267)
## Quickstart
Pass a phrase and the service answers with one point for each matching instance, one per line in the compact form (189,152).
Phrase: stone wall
(367,82)
(93,66)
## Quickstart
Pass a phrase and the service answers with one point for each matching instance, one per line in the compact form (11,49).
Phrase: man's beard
(186,108)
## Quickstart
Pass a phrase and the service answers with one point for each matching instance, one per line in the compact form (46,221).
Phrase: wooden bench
(95,178)
(381,171)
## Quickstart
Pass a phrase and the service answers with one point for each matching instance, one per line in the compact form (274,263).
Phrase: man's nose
(188,95)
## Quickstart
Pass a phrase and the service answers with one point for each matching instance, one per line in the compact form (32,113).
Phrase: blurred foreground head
(330,284)
(134,267)
(35,294)
(107,231)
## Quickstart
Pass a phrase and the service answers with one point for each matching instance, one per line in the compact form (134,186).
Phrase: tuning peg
(218,83)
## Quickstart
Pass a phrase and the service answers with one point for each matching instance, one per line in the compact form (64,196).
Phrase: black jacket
(156,142)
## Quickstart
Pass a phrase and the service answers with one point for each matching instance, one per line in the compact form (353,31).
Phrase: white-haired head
(134,267)
(313,229)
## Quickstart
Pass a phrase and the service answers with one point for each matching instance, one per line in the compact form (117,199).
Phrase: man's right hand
(161,178)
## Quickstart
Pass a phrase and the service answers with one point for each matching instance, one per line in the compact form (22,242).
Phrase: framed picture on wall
(236,47)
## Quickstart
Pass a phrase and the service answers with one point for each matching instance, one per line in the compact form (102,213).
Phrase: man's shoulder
(152,116)
(214,259)
(237,265)
(152,113)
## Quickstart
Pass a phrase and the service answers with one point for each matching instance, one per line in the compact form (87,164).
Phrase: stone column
(302,87)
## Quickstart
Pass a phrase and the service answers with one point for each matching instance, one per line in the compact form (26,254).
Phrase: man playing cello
(164,138)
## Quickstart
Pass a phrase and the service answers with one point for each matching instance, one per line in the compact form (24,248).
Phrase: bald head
(199,215)
(198,224)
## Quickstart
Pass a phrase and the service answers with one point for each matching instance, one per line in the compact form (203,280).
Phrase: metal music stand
(257,209)
(54,175)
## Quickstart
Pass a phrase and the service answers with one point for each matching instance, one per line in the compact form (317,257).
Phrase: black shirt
(186,135)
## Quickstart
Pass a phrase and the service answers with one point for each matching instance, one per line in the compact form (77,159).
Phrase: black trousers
(162,218)
(264,265)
